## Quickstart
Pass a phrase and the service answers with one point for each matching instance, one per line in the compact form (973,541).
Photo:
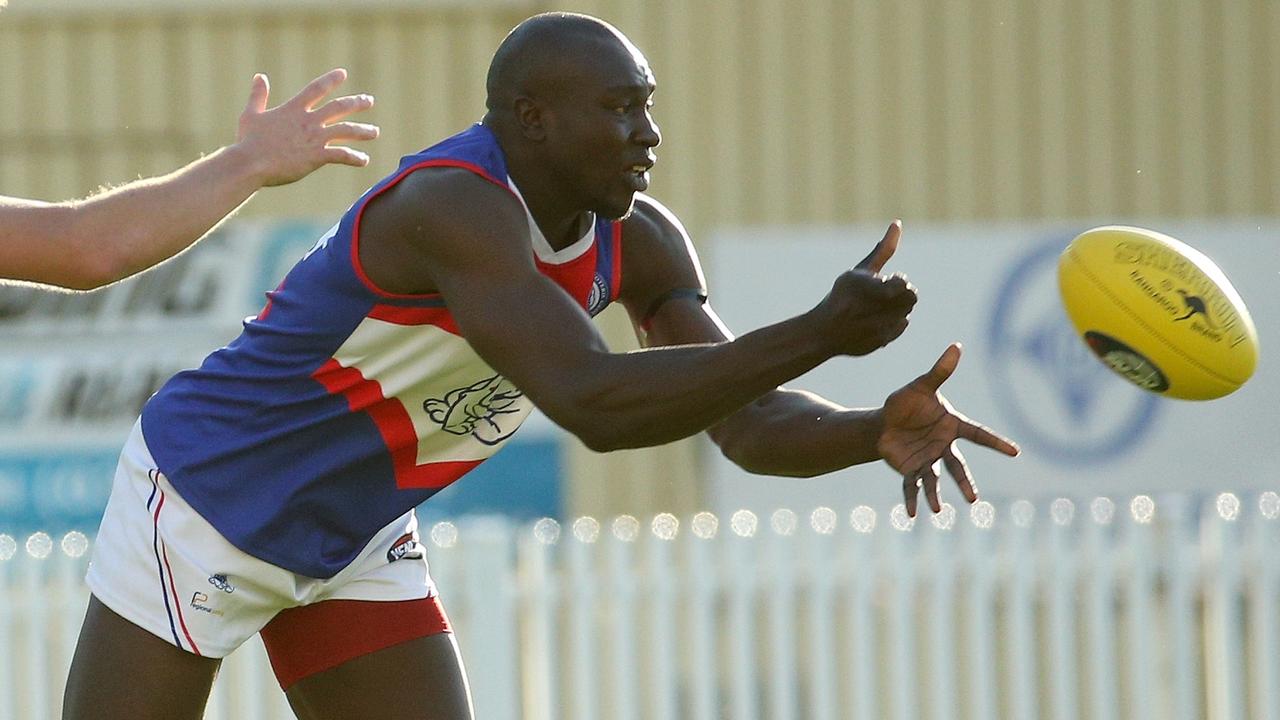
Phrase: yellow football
(1158,312)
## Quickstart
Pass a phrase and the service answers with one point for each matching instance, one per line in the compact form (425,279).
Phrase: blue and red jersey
(341,406)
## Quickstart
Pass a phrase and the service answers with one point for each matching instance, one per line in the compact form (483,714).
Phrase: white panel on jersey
(461,408)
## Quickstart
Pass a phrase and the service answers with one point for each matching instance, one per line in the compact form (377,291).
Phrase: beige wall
(774,111)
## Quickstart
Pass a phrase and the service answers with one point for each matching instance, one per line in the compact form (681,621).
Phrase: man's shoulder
(652,222)
(448,191)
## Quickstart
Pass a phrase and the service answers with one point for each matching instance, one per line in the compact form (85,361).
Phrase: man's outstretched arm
(85,244)
(793,432)
(448,230)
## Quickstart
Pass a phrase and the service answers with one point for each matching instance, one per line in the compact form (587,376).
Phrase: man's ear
(529,119)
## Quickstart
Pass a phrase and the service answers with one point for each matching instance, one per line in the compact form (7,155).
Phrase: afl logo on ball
(405,546)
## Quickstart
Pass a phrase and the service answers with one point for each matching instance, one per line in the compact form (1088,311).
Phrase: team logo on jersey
(598,298)
(478,410)
(405,546)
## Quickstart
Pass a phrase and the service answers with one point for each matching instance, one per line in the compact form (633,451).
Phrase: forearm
(130,228)
(798,434)
(657,395)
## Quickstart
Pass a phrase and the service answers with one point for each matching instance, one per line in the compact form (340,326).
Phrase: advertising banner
(1083,430)
(75,370)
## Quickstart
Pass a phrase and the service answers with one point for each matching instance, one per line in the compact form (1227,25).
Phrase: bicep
(664,289)
(683,320)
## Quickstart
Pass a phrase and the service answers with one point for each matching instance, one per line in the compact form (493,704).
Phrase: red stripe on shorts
(308,639)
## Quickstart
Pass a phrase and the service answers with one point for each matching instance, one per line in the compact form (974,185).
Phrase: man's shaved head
(544,49)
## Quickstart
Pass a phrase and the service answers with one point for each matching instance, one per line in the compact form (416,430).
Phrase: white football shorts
(159,565)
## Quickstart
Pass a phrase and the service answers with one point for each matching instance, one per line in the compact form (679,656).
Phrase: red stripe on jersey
(438,316)
(394,425)
(410,475)
(576,276)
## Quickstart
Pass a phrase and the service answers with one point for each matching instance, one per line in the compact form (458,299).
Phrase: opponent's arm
(794,432)
(89,243)
(469,239)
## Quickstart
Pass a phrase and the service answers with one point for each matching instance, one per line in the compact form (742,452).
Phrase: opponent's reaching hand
(291,140)
(920,433)
(866,310)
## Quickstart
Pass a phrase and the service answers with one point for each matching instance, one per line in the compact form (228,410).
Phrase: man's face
(600,134)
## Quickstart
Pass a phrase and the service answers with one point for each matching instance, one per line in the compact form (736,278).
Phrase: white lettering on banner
(104,393)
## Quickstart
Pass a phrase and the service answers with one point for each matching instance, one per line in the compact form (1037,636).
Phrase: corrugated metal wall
(774,111)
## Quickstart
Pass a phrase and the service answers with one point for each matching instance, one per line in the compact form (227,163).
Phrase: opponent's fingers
(959,471)
(883,250)
(929,482)
(344,156)
(259,89)
(985,436)
(308,96)
(338,108)
(350,131)
(910,492)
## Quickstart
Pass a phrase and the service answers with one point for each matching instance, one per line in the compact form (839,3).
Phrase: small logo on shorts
(405,546)
(220,581)
(199,601)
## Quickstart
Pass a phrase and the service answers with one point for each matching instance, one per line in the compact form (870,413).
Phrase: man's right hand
(866,310)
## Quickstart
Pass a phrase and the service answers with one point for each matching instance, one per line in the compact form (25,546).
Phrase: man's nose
(648,133)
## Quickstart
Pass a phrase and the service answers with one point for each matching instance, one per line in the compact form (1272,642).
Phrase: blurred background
(794,131)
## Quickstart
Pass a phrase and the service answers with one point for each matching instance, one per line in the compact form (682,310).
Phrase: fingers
(259,89)
(345,156)
(896,331)
(959,471)
(308,96)
(339,108)
(350,131)
(883,250)
(910,491)
(942,368)
(983,435)
(912,483)
(929,481)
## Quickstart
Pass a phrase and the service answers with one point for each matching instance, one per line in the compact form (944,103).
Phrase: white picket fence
(1133,610)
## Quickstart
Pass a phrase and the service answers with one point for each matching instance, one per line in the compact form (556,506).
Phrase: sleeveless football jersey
(340,406)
